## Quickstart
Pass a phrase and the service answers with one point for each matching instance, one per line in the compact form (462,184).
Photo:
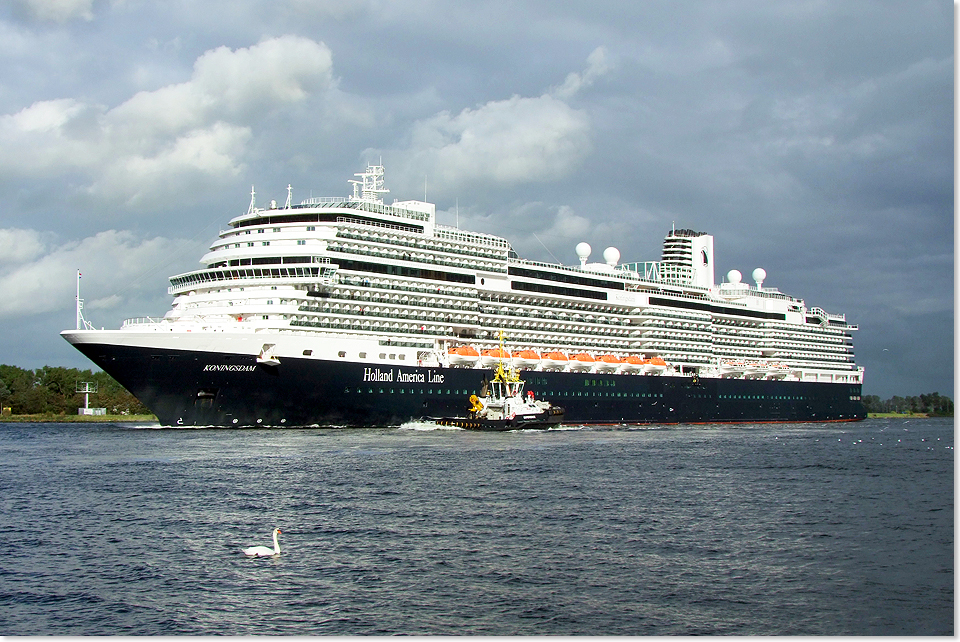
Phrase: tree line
(53,390)
(933,404)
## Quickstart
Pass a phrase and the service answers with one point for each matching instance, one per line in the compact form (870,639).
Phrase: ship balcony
(391,254)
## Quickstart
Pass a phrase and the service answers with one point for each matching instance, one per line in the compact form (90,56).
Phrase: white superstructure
(354,278)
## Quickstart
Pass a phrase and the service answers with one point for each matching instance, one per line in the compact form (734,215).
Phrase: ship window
(301,242)
(402,357)
(341,354)
(307,353)
(311,228)
(363,355)
(266,242)
(383,355)
(346,390)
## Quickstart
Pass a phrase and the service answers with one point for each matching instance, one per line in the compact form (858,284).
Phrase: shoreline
(68,419)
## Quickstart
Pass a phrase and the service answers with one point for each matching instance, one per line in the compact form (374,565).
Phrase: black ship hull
(223,389)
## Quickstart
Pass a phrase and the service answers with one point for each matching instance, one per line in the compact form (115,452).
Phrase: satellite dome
(759,275)
(583,250)
(611,255)
(734,276)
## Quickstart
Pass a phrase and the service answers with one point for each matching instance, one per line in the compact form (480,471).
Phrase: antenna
(370,188)
(81,322)
(286,205)
(79,301)
(546,248)
(253,201)
(86,388)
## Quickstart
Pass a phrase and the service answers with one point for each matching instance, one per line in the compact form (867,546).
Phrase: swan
(265,551)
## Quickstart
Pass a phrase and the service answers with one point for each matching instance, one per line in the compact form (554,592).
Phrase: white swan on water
(265,551)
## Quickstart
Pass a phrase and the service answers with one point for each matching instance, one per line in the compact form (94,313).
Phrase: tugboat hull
(552,417)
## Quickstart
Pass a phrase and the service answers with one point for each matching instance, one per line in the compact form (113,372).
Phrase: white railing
(142,321)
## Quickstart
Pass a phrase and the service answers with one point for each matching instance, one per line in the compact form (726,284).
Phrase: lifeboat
(654,365)
(582,362)
(490,358)
(463,356)
(608,363)
(755,369)
(526,360)
(554,361)
(631,364)
(732,368)
(777,371)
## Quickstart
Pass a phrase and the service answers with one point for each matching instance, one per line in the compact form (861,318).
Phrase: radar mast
(370,188)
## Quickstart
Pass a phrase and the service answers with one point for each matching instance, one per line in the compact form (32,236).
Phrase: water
(838,529)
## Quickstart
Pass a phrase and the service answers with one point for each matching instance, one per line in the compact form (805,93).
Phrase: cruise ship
(348,311)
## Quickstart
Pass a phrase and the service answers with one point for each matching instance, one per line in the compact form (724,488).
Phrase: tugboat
(503,406)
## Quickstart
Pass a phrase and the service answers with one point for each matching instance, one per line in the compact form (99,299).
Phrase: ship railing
(189,280)
(622,275)
(470,238)
(321,200)
(462,318)
(142,321)
(420,242)
(367,206)
(469,264)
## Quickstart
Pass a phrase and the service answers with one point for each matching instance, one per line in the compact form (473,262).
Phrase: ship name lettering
(410,377)
(228,367)
(375,374)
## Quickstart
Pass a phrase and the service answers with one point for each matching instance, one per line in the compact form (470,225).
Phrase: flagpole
(78,299)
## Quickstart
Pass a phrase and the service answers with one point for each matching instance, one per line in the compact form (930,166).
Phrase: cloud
(18,246)
(507,142)
(597,65)
(40,282)
(60,11)
(211,152)
(169,137)
(230,85)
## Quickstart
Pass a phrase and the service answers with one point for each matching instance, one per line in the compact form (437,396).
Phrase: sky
(812,138)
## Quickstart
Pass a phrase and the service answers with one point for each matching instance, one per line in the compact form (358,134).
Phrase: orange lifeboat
(489,358)
(654,365)
(581,362)
(526,359)
(463,356)
(554,360)
(608,363)
(632,364)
